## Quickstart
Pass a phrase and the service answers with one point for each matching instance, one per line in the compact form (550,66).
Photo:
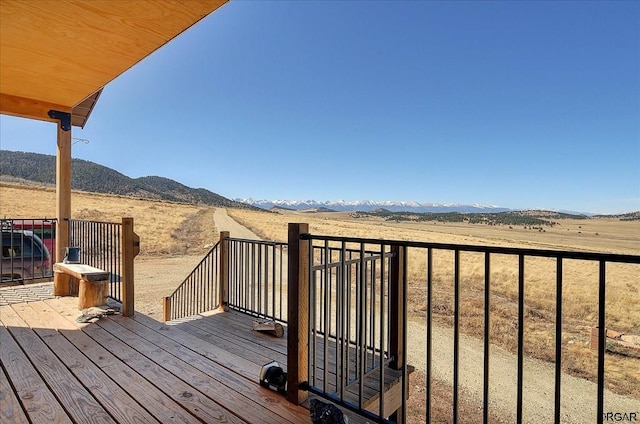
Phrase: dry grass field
(173,237)
(164,228)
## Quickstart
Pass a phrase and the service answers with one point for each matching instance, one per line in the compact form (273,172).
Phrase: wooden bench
(90,284)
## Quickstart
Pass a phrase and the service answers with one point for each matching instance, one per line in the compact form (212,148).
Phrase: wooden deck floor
(125,370)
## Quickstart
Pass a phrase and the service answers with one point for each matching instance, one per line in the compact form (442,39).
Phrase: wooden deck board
(208,349)
(10,409)
(76,400)
(189,397)
(256,398)
(128,370)
(225,397)
(40,405)
(236,338)
(118,403)
(163,408)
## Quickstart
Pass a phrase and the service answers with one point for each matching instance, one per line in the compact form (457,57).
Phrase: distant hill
(315,210)
(182,193)
(631,216)
(532,219)
(91,177)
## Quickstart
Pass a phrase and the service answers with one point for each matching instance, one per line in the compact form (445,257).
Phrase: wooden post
(298,314)
(397,315)
(63,191)
(223,282)
(166,309)
(130,249)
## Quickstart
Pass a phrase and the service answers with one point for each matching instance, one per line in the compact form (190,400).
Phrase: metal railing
(101,247)
(355,357)
(257,278)
(23,256)
(199,292)
(352,278)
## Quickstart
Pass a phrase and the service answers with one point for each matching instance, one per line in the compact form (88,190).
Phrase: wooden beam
(298,314)
(63,190)
(29,108)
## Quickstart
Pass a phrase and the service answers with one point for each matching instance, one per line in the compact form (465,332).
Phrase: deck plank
(10,409)
(244,322)
(247,369)
(120,405)
(231,338)
(189,347)
(257,402)
(219,393)
(39,403)
(187,396)
(243,326)
(73,396)
(159,404)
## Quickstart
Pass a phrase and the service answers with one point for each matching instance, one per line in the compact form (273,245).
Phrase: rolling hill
(95,178)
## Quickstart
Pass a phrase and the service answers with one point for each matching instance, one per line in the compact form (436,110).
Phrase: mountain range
(369,205)
(92,177)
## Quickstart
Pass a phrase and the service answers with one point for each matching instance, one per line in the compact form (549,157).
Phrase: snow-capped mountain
(369,205)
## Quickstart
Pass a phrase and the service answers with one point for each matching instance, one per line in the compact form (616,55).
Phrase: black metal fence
(354,356)
(100,246)
(198,292)
(351,306)
(257,278)
(28,249)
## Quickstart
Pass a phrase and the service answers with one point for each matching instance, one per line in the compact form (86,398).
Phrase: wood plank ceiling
(56,54)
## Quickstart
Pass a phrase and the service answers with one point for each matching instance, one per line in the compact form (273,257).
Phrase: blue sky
(516,104)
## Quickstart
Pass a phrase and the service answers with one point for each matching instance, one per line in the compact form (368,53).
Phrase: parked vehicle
(24,256)
(43,228)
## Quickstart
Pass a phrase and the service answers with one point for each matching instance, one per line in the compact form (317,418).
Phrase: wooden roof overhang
(57,55)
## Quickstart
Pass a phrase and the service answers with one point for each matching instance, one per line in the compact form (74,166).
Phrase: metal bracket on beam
(63,117)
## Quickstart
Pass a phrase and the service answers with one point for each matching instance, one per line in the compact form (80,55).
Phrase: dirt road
(225,223)
(578,395)
(158,276)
